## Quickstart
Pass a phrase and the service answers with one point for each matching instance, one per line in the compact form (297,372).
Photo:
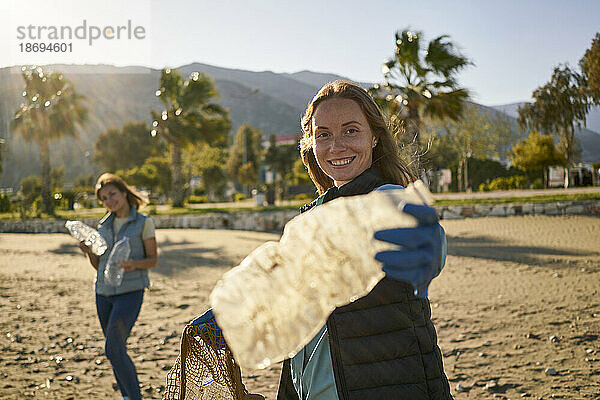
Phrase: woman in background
(118,307)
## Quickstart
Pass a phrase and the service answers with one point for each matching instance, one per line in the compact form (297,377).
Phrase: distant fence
(274,221)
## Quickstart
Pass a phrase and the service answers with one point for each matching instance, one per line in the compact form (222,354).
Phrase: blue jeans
(117,316)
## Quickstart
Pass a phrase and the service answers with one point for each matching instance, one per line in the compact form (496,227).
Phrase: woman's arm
(94,259)
(146,263)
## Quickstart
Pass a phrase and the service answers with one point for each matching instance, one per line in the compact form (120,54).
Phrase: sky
(514,45)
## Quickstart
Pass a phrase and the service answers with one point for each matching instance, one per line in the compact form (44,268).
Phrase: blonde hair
(386,154)
(133,197)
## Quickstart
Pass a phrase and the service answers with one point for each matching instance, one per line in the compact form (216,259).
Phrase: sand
(518,295)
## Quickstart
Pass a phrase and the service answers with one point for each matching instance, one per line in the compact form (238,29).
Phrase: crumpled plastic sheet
(279,297)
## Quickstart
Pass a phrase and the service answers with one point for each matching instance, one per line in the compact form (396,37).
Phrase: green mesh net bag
(205,368)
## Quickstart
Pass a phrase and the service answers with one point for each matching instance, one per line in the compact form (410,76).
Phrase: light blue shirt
(312,370)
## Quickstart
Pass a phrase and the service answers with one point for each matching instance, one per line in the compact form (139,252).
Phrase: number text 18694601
(45,47)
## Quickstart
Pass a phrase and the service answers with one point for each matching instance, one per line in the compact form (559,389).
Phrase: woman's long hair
(386,154)
(134,198)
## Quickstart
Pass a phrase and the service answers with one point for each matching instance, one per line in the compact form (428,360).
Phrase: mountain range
(272,102)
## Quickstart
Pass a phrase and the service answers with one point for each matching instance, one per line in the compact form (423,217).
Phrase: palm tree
(53,109)
(421,82)
(188,118)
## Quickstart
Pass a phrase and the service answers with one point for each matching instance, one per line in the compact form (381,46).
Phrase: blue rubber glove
(423,249)
(207,323)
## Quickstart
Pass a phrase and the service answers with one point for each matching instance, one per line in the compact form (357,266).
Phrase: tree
(280,159)
(29,191)
(83,187)
(189,117)
(300,173)
(85,181)
(558,107)
(245,155)
(209,162)
(52,109)
(536,153)
(421,82)
(57,178)
(126,148)
(442,151)
(476,135)
(154,174)
(590,67)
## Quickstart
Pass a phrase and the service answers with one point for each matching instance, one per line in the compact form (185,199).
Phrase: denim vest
(132,228)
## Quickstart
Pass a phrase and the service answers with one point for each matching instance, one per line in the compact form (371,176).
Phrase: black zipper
(336,360)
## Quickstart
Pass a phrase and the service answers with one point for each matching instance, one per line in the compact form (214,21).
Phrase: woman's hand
(85,248)
(423,249)
(127,264)
(144,263)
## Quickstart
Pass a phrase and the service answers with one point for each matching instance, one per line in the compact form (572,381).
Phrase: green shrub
(33,209)
(238,196)
(60,201)
(537,184)
(196,199)
(5,205)
(498,184)
(520,181)
(29,194)
(483,188)
(508,183)
(303,197)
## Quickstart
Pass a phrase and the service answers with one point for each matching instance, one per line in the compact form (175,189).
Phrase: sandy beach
(517,310)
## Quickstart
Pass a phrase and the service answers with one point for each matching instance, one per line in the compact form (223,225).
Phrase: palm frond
(196,91)
(443,58)
(446,105)
(171,83)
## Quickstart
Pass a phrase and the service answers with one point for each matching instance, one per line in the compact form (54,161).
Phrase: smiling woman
(344,135)
(118,307)
(383,345)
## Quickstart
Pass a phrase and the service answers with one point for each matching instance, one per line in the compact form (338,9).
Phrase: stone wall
(267,221)
(588,207)
(274,221)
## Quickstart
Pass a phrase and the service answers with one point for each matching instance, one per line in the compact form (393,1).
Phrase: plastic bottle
(113,273)
(90,236)
(279,297)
